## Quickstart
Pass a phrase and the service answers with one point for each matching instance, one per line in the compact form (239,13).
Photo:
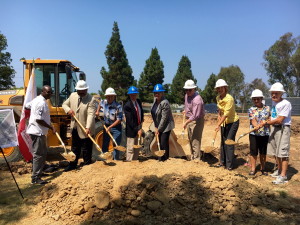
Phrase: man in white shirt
(280,133)
(39,123)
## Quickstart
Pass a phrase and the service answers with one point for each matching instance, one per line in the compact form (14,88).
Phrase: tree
(7,72)
(234,78)
(259,84)
(209,93)
(119,74)
(93,93)
(153,74)
(281,63)
(245,99)
(183,74)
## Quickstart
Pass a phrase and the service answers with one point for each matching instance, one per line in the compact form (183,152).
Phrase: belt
(280,125)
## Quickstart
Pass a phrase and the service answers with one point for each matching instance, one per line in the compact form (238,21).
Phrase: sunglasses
(188,90)
(255,99)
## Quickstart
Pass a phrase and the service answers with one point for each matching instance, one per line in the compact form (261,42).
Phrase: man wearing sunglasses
(194,112)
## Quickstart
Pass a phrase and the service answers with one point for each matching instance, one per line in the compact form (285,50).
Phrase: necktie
(138,114)
(79,101)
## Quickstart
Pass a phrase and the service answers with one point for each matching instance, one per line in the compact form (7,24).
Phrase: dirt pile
(152,192)
(18,167)
(295,128)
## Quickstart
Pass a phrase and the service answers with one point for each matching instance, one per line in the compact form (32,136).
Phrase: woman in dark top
(162,118)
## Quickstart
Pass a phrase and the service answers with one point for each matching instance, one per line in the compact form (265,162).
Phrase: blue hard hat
(158,88)
(132,90)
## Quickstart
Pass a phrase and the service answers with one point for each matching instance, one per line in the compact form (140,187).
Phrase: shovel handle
(157,139)
(215,135)
(97,146)
(109,133)
(183,121)
(249,131)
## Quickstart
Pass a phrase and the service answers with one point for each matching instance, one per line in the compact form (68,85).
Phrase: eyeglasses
(157,93)
(255,99)
(188,89)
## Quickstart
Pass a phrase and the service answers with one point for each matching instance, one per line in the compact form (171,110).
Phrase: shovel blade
(183,141)
(120,148)
(137,146)
(159,153)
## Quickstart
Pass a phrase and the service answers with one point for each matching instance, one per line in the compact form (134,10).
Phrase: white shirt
(39,111)
(283,108)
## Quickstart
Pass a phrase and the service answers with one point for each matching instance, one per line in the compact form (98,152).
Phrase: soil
(177,191)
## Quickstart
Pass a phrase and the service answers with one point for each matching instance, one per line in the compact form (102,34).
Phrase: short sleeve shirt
(283,108)
(111,112)
(39,111)
(227,108)
(261,116)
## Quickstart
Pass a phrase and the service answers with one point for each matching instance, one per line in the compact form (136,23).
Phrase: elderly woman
(258,114)
(229,122)
(162,118)
(113,116)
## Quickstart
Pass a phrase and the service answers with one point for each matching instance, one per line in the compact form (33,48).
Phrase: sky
(213,34)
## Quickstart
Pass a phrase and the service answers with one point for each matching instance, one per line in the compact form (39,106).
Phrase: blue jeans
(116,132)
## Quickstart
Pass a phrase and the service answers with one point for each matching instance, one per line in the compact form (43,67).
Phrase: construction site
(147,191)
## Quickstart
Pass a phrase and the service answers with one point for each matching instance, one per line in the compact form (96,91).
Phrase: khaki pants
(132,153)
(195,129)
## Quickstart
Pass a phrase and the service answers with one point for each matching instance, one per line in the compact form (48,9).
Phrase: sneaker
(276,173)
(39,181)
(280,180)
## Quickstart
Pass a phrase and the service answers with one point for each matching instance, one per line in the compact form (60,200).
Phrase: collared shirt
(227,108)
(194,107)
(261,116)
(140,113)
(111,112)
(39,111)
(282,108)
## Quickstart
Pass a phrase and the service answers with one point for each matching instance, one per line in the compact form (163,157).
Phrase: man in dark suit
(134,117)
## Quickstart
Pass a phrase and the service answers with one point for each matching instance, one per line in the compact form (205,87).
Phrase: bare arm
(44,124)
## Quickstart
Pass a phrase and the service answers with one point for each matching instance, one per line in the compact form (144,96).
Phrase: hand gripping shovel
(107,155)
(232,142)
(209,149)
(159,153)
(118,147)
(139,142)
(183,141)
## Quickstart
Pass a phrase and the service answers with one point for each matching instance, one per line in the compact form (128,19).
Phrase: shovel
(183,141)
(63,144)
(159,153)
(119,148)
(139,141)
(107,155)
(232,142)
(209,149)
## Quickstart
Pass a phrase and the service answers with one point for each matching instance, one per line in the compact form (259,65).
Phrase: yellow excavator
(61,76)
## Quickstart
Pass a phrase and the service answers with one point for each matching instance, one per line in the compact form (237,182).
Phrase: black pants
(164,144)
(85,144)
(227,151)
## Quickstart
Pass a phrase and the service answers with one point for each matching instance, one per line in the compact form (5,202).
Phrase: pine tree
(119,74)
(183,74)
(209,93)
(153,74)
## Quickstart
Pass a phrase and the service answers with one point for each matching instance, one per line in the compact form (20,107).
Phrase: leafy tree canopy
(119,74)
(7,73)
(153,74)
(183,74)
(234,78)
(282,62)
(257,83)
(209,93)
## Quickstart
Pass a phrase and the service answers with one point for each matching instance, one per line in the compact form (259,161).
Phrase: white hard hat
(189,84)
(221,83)
(257,93)
(277,87)
(110,91)
(81,85)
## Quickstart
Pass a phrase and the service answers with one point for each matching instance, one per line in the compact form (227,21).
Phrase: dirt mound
(295,128)
(133,193)
(18,167)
